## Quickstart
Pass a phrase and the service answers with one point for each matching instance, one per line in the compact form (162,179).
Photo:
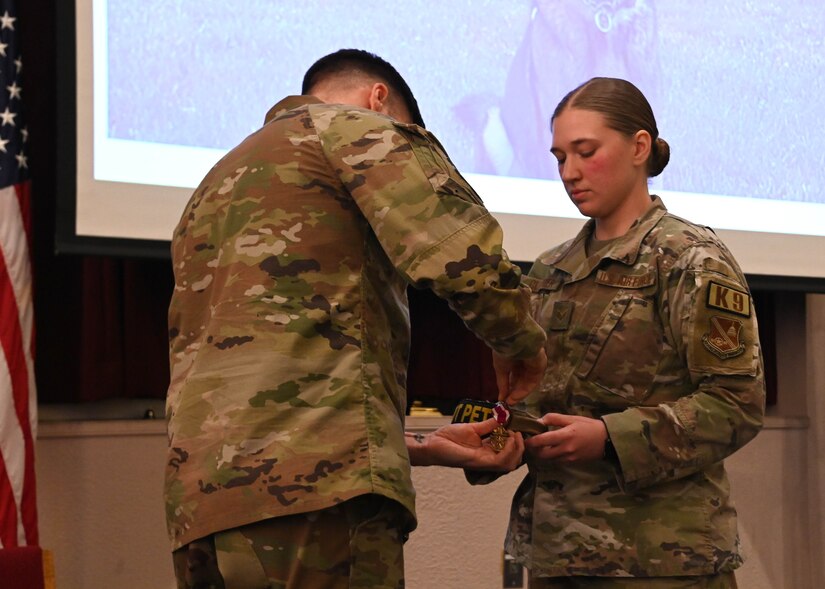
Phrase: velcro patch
(472,411)
(625,280)
(562,313)
(722,339)
(729,299)
(716,266)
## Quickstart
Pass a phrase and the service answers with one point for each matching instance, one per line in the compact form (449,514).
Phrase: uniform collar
(289,103)
(625,249)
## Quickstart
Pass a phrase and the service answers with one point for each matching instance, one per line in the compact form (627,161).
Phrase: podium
(27,567)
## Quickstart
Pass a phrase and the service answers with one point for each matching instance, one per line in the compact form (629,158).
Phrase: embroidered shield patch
(723,338)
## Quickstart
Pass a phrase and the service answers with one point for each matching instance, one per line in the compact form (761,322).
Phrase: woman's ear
(643,143)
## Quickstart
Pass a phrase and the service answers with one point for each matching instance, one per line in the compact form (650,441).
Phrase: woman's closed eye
(582,154)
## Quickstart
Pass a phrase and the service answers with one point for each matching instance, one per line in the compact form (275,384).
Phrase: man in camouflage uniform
(655,335)
(288,464)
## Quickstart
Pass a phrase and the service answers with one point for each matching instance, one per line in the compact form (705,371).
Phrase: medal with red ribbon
(473,411)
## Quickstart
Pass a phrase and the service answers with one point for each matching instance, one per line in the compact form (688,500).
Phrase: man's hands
(576,439)
(461,445)
(517,378)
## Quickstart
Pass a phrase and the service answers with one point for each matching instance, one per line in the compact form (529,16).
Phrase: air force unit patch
(723,338)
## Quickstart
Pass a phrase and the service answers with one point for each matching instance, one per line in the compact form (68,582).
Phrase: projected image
(564,43)
(729,83)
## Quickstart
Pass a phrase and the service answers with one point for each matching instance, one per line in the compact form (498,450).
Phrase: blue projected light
(733,86)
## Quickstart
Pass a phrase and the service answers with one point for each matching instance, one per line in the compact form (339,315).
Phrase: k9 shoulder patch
(729,299)
(722,336)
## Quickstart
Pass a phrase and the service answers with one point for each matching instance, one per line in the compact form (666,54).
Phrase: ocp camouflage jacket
(289,325)
(657,336)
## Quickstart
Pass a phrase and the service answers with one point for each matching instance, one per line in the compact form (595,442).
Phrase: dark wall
(100,322)
(37,26)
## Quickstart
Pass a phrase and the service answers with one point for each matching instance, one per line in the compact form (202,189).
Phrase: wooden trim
(157,427)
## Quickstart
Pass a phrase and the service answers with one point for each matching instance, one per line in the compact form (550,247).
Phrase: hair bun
(659,157)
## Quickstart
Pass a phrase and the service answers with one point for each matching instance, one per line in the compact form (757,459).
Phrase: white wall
(102,515)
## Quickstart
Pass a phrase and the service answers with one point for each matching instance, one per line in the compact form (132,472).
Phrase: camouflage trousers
(355,545)
(722,581)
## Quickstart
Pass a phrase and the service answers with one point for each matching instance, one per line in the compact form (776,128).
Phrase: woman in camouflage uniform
(654,374)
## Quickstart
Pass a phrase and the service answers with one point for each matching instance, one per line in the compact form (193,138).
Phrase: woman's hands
(572,439)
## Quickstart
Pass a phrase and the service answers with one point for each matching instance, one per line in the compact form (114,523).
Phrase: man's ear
(377,99)
(642,146)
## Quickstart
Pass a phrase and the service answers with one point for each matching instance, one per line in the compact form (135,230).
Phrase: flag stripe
(25,303)
(15,235)
(12,448)
(16,325)
(15,248)
(16,444)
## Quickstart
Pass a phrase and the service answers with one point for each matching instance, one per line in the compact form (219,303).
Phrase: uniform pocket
(544,297)
(443,176)
(624,348)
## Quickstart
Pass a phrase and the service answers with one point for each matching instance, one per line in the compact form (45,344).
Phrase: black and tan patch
(729,299)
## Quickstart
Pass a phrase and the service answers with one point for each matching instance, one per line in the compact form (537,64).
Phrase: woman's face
(602,169)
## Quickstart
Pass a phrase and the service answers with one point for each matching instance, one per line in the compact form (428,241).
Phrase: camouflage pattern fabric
(289,325)
(720,581)
(656,335)
(355,545)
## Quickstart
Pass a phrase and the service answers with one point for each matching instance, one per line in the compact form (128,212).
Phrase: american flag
(18,405)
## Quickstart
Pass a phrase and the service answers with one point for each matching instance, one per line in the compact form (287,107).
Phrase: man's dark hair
(348,60)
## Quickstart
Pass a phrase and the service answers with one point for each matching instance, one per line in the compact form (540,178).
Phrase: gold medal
(498,438)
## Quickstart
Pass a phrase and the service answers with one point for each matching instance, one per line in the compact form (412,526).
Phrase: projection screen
(164,88)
